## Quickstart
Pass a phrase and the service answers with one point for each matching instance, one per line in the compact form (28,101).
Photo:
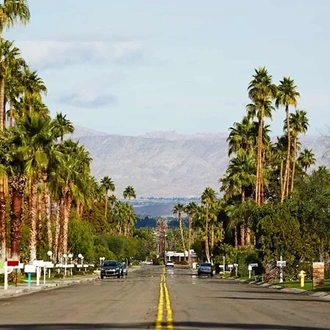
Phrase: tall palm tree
(287,95)
(107,185)
(179,209)
(306,159)
(4,149)
(261,91)
(11,61)
(34,138)
(241,137)
(299,124)
(34,87)
(190,209)
(62,125)
(208,199)
(11,13)
(129,192)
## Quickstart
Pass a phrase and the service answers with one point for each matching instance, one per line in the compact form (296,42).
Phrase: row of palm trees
(259,169)
(202,221)
(123,216)
(43,176)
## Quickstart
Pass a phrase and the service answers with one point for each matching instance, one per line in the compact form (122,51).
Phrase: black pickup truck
(110,268)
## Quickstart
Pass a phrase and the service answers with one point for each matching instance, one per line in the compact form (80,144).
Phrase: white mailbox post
(250,267)
(29,269)
(281,263)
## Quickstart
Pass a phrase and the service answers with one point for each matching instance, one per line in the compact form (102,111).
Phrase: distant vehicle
(110,268)
(123,268)
(169,263)
(205,268)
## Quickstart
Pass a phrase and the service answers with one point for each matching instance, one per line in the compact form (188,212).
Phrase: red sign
(12,263)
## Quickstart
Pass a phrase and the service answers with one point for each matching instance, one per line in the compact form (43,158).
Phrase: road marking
(163,293)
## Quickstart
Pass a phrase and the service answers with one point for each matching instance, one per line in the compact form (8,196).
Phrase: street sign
(281,263)
(254,265)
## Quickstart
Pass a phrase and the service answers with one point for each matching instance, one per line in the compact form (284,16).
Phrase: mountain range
(167,164)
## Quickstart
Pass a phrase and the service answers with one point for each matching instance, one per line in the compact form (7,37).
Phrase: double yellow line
(164,297)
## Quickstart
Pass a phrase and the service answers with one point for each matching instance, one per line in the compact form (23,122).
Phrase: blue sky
(136,66)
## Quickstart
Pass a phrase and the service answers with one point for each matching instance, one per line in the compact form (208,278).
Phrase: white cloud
(42,54)
(84,98)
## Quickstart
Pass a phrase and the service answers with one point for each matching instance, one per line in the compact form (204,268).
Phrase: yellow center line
(163,293)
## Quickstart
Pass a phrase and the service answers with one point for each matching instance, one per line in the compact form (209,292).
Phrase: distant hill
(166,164)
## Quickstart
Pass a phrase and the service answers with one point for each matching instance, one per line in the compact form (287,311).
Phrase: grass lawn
(308,285)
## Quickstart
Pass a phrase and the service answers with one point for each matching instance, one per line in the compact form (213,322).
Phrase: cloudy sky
(136,66)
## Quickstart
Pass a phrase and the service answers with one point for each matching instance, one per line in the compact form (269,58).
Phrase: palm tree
(11,13)
(240,138)
(129,192)
(62,125)
(306,159)
(179,209)
(34,138)
(4,148)
(287,95)
(261,91)
(9,68)
(190,209)
(299,124)
(34,86)
(107,185)
(208,199)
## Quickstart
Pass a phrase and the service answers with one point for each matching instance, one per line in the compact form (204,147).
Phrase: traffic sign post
(281,263)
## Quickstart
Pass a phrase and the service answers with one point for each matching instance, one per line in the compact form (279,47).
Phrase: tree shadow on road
(150,325)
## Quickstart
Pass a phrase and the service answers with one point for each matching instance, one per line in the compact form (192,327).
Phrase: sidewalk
(22,288)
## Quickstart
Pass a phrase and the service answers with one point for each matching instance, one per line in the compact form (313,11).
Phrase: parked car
(123,268)
(169,263)
(110,268)
(205,268)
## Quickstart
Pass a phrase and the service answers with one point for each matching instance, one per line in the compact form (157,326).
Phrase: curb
(46,287)
(317,294)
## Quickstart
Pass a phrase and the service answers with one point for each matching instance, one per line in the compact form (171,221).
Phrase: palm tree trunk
(106,203)
(212,237)
(182,238)
(207,247)
(67,211)
(242,233)
(288,155)
(294,162)
(281,176)
(189,237)
(58,232)
(47,215)
(11,114)
(235,238)
(40,218)
(259,178)
(17,187)
(3,227)
(33,201)
(2,104)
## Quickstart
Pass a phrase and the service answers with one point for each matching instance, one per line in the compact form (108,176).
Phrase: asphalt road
(155,298)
